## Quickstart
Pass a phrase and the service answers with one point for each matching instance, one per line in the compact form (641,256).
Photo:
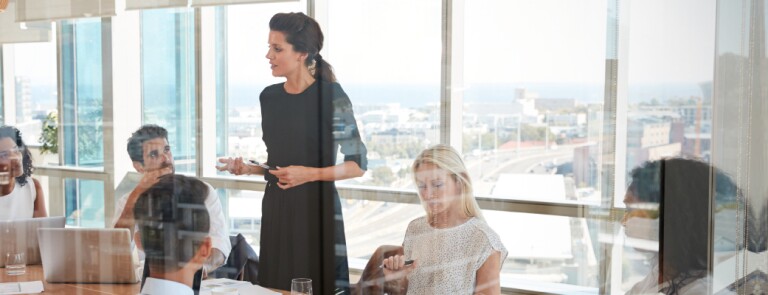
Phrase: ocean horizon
(418,95)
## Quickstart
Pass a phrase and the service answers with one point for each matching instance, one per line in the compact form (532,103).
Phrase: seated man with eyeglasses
(173,224)
(21,196)
(151,155)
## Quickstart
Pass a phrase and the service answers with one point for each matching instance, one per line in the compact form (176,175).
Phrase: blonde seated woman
(452,248)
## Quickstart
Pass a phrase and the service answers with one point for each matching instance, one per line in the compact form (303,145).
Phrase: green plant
(50,136)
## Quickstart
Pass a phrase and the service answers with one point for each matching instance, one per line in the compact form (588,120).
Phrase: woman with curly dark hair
(20,195)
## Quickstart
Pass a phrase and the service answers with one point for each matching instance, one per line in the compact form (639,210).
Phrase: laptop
(87,255)
(19,234)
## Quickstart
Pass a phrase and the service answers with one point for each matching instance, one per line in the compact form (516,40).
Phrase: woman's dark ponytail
(323,70)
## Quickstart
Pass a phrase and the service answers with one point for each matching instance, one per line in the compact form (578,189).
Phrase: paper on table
(244,288)
(33,287)
(213,283)
(209,284)
(256,290)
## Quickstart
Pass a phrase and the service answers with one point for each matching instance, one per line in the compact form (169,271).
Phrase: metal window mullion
(75,128)
(9,86)
(56,184)
(107,125)
(199,136)
(311,6)
(2,80)
(72,172)
(205,90)
(452,73)
(222,31)
(576,210)
(614,143)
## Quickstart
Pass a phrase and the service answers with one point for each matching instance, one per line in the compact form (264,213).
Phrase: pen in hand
(262,165)
(407,263)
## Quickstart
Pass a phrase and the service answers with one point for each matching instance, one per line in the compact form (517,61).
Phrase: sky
(505,41)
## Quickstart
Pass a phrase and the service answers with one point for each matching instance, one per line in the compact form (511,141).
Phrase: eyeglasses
(5,155)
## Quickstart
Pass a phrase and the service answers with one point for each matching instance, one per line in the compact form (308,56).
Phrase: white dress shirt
(219,232)
(161,287)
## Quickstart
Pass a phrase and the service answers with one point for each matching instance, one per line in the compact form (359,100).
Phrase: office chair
(242,263)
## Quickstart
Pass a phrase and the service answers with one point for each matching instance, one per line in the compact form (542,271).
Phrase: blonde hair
(446,158)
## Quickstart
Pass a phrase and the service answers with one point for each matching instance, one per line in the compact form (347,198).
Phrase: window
(521,117)
(168,79)
(669,97)
(391,77)
(243,213)
(390,68)
(670,87)
(534,76)
(242,72)
(82,93)
(35,84)
(83,144)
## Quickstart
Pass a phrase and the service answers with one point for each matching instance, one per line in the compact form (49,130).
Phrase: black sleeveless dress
(302,230)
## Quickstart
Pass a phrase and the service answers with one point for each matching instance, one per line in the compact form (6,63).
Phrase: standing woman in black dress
(305,121)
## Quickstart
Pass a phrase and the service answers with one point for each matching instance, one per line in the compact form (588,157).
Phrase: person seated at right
(668,201)
(453,248)
(23,196)
(173,225)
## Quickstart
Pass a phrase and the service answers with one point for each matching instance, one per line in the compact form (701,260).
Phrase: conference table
(35,273)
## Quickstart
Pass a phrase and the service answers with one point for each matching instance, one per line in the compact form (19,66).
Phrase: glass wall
(561,100)
(738,146)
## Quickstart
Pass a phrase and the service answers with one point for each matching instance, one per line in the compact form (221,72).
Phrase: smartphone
(407,263)
(262,165)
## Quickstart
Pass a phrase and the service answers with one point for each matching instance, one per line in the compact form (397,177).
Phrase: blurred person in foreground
(22,197)
(453,249)
(668,201)
(173,223)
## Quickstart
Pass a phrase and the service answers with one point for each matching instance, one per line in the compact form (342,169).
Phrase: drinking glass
(15,264)
(5,173)
(301,286)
